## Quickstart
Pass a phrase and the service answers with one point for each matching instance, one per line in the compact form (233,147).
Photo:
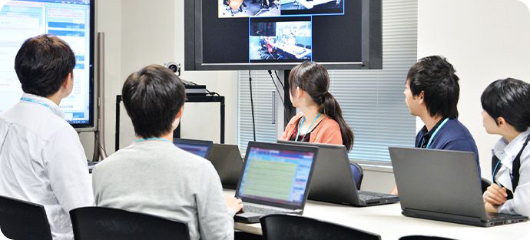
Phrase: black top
(516,165)
(426,135)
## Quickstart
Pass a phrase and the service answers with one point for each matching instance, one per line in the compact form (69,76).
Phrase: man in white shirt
(41,158)
(506,112)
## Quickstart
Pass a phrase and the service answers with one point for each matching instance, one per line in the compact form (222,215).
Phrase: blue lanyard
(30,100)
(151,139)
(495,170)
(309,129)
(436,132)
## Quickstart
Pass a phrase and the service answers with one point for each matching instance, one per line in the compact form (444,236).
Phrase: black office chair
(288,227)
(101,223)
(418,237)
(21,220)
(358,174)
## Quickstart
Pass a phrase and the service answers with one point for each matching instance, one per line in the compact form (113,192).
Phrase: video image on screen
(312,7)
(276,8)
(248,8)
(280,41)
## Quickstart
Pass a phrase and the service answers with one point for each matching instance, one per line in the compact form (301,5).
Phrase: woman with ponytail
(320,119)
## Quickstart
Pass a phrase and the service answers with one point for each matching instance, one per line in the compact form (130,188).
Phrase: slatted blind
(372,101)
(262,88)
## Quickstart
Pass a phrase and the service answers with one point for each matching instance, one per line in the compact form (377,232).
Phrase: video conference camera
(175,67)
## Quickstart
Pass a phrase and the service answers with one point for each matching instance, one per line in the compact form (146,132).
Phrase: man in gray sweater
(154,176)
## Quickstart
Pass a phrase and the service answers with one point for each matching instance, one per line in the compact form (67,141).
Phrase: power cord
(252,105)
(277,77)
(278,90)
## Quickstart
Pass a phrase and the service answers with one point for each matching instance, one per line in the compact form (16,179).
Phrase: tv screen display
(279,34)
(271,8)
(280,39)
(71,21)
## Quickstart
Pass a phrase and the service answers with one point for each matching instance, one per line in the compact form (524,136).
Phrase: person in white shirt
(506,105)
(41,158)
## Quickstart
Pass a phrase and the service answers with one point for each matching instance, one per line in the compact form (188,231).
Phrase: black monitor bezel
(91,107)
(371,42)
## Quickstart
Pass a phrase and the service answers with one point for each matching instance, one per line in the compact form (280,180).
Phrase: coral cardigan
(327,131)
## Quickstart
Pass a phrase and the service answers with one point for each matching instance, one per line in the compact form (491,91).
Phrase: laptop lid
(200,148)
(332,180)
(227,160)
(438,181)
(277,175)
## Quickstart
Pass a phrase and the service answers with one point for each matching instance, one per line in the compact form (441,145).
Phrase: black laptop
(443,185)
(275,179)
(200,148)
(226,159)
(333,179)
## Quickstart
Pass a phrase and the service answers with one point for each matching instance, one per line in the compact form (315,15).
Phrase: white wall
(223,82)
(108,20)
(485,40)
(139,33)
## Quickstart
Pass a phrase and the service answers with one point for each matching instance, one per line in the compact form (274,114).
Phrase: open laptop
(333,179)
(443,185)
(226,159)
(198,147)
(275,179)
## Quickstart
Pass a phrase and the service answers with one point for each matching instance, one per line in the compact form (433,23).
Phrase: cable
(281,83)
(278,90)
(252,105)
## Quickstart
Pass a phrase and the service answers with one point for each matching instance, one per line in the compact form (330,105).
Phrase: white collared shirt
(506,152)
(42,161)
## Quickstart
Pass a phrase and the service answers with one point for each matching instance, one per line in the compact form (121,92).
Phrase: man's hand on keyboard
(233,203)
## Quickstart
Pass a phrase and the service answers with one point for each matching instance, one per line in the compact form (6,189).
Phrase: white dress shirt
(506,152)
(42,161)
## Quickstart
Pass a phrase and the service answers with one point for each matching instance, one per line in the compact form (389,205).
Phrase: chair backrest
(103,223)
(418,237)
(21,220)
(280,227)
(358,174)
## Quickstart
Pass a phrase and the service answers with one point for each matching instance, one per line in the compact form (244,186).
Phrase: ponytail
(331,107)
(314,79)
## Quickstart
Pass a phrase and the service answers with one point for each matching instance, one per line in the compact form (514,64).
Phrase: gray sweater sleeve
(216,222)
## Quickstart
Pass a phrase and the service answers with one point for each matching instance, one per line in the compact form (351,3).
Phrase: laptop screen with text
(279,176)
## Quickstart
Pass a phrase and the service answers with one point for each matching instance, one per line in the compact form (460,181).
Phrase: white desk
(388,222)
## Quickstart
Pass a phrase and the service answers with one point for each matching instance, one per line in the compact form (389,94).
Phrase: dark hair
(152,97)
(314,79)
(43,63)
(436,77)
(508,98)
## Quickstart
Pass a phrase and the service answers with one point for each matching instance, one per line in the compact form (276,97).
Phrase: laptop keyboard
(366,197)
(263,209)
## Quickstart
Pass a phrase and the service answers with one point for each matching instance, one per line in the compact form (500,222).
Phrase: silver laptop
(333,179)
(200,148)
(275,179)
(443,185)
(226,159)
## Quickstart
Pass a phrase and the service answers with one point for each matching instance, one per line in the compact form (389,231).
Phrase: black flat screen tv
(279,34)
